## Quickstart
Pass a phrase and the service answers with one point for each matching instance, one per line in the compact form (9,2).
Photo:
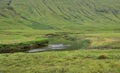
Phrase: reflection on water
(57,46)
(50,47)
(61,44)
(37,50)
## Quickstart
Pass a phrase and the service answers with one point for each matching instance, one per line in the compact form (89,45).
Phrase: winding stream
(51,47)
(63,43)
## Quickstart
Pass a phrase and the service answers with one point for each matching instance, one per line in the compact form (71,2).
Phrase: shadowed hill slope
(87,15)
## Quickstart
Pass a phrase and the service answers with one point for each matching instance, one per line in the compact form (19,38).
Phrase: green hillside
(88,15)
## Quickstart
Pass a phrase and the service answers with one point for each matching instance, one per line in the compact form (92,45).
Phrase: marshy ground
(75,61)
(91,53)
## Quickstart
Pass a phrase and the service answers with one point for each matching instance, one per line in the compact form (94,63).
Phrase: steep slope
(87,15)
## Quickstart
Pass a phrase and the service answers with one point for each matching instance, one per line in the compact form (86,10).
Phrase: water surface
(51,47)
(60,43)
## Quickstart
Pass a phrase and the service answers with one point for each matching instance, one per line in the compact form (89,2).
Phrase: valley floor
(75,61)
(97,59)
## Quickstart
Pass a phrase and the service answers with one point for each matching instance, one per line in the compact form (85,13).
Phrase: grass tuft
(102,57)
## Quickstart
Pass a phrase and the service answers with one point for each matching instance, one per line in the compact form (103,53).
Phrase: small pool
(50,47)
(63,44)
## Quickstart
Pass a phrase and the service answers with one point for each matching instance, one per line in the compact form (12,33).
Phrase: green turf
(77,61)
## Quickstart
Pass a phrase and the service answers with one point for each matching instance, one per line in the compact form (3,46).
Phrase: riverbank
(23,46)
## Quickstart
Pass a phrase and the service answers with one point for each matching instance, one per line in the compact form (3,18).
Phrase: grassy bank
(23,46)
(95,40)
(75,61)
